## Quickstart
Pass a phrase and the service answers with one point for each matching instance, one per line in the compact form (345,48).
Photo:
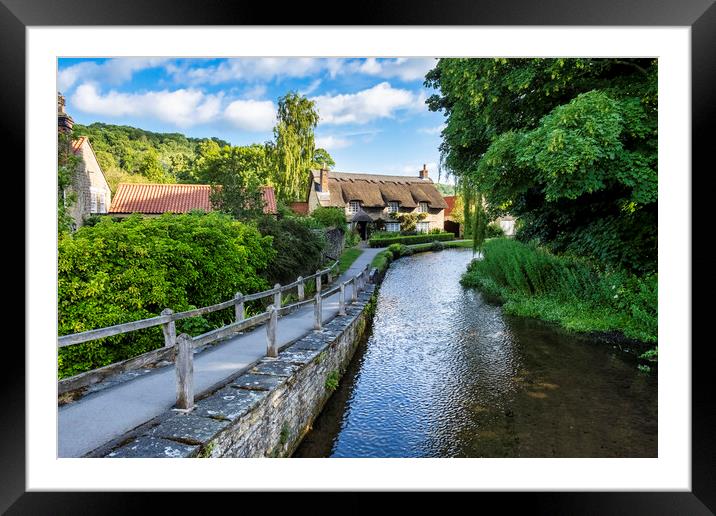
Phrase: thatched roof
(376,190)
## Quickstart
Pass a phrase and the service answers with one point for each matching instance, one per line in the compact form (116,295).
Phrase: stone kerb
(266,411)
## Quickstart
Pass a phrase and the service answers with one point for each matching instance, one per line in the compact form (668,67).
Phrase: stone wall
(335,240)
(266,411)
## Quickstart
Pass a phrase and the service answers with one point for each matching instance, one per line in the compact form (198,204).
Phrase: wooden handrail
(181,346)
(118,329)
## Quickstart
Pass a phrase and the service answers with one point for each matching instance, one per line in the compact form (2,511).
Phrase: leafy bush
(298,247)
(116,272)
(398,250)
(435,231)
(437,246)
(572,291)
(352,239)
(329,217)
(494,230)
(414,239)
(408,221)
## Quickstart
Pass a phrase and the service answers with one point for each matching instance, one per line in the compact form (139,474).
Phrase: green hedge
(116,272)
(411,239)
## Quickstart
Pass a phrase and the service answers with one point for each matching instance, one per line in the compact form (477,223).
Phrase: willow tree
(294,145)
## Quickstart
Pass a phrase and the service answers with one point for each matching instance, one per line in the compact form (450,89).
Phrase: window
(353,207)
(392,226)
(392,207)
(423,227)
(100,203)
(423,207)
(93,202)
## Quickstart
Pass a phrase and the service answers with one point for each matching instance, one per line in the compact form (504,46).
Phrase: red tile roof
(162,198)
(450,201)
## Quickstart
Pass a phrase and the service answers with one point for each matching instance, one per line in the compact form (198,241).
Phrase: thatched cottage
(370,199)
(93,195)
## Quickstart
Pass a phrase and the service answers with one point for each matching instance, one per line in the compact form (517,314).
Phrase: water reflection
(445,374)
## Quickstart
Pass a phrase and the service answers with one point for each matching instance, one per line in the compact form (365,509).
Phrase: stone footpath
(265,411)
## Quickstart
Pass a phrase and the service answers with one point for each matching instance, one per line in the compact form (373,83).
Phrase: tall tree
(567,145)
(294,145)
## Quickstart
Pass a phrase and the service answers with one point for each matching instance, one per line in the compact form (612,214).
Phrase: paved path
(107,414)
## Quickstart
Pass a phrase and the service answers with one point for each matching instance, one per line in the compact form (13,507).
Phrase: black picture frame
(699,15)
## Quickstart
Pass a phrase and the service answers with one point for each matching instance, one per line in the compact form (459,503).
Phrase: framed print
(176,111)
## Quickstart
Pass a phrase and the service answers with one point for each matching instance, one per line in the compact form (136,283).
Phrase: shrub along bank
(578,294)
(116,272)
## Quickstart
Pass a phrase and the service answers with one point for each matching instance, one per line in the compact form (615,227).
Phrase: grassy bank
(572,292)
(349,256)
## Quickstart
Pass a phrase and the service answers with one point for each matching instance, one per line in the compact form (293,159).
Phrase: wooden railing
(183,345)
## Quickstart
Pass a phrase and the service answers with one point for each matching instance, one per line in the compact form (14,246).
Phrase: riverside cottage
(370,199)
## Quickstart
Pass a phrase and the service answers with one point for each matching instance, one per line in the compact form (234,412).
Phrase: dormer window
(392,207)
(423,207)
(353,207)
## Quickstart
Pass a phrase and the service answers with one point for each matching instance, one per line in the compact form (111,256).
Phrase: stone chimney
(64,121)
(424,172)
(324,178)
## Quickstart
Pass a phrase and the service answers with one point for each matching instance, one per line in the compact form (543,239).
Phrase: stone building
(92,193)
(369,200)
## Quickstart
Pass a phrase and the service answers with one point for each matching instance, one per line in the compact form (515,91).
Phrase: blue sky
(373,116)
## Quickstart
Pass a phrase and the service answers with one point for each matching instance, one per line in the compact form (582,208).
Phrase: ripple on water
(445,374)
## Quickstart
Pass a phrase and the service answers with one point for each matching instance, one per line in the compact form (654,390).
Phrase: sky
(373,116)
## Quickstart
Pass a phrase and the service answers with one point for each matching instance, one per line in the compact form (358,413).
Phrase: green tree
(294,145)
(567,145)
(321,158)
(237,174)
(151,168)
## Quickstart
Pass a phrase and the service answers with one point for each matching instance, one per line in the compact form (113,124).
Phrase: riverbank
(611,306)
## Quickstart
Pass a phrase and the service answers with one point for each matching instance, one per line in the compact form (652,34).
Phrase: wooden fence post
(330,276)
(354,291)
(342,300)
(317,312)
(184,365)
(169,329)
(271,349)
(318,281)
(301,292)
(277,296)
(239,306)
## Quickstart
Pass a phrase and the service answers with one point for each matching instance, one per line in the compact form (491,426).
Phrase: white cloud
(265,68)
(183,107)
(406,69)
(311,87)
(380,101)
(112,72)
(332,142)
(251,115)
(432,130)
(255,92)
